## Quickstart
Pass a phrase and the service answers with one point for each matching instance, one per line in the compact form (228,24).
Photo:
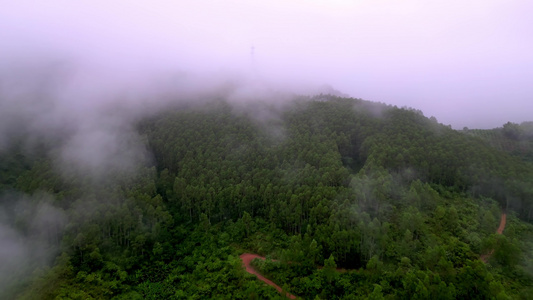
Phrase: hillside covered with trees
(516,139)
(347,199)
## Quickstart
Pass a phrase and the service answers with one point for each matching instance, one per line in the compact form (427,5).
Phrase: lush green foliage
(405,205)
(512,138)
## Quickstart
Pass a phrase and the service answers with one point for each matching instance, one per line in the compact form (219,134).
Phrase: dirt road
(501,228)
(247,259)
(503,221)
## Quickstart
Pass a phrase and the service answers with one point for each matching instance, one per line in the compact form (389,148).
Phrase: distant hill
(515,139)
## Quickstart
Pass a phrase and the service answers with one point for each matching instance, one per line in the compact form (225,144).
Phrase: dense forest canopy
(405,205)
(516,139)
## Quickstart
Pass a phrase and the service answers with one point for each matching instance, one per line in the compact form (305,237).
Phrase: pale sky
(468,63)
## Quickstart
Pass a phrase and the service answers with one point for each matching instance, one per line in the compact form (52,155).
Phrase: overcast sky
(468,63)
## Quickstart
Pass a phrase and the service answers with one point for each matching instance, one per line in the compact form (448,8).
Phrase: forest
(345,198)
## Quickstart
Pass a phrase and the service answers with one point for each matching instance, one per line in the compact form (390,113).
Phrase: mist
(467,64)
(79,76)
(30,232)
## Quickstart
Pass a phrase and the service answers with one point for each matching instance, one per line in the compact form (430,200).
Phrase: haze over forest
(153,150)
(467,64)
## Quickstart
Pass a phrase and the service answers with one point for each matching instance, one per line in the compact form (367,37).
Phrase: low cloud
(31,228)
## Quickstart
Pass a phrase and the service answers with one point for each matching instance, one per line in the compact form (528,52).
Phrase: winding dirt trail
(501,228)
(503,221)
(247,259)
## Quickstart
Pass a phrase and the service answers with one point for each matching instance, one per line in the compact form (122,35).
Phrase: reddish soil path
(503,222)
(247,259)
